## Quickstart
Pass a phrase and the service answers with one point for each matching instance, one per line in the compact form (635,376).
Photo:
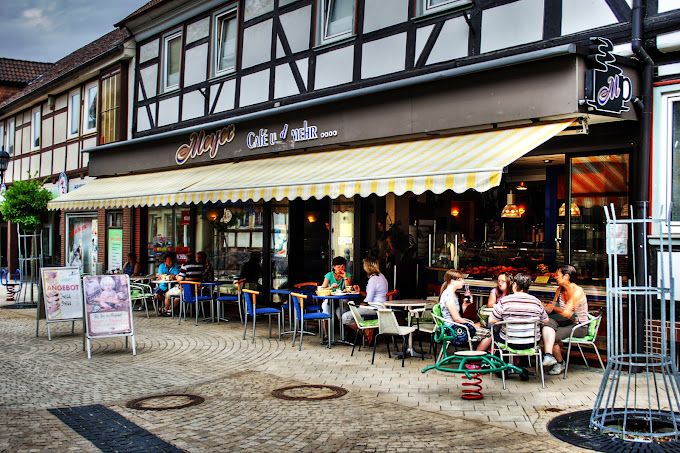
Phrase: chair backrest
(298,300)
(594,325)
(188,292)
(307,288)
(358,319)
(250,297)
(437,315)
(387,322)
(522,332)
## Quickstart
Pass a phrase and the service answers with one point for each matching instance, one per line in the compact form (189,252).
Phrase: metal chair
(12,286)
(362,324)
(250,299)
(308,288)
(189,296)
(142,293)
(425,322)
(520,333)
(388,325)
(220,300)
(593,325)
(444,334)
(301,315)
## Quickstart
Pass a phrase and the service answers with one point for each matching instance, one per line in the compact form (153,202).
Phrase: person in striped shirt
(190,270)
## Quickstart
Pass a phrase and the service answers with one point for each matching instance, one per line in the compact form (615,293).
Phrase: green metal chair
(142,293)
(593,324)
(444,334)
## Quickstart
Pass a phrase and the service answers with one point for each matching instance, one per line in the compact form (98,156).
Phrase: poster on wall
(108,308)
(62,296)
(82,243)
(115,249)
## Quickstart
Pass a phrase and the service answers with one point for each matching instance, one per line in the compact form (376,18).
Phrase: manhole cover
(574,428)
(164,402)
(309,392)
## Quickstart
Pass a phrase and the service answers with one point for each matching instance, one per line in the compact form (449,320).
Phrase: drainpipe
(641,167)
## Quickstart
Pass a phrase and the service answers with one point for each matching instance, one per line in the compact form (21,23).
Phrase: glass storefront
(81,242)
(169,230)
(280,230)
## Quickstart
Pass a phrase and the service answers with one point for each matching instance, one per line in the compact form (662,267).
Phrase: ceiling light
(521,186)
(510,210)
(547,161)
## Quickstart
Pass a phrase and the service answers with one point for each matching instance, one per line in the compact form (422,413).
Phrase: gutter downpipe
(641,167)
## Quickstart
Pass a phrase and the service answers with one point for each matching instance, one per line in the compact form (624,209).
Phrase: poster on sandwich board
(62,295)
(108,308)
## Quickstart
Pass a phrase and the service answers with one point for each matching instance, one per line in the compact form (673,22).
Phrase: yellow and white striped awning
(458,163)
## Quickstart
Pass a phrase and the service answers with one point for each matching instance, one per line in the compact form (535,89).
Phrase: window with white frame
(336,20)
(2,135)
(36,120)
(90,119)
(434,6)
(74,113)
(172,60)
(10,136)
(673,160)
(665,174)
(224,44)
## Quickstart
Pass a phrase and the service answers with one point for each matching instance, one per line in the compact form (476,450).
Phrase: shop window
(280,230)
(342,230)
(435,6)
(255,8)
(36,122)
(114,219)
(109,124)
(596,181)
(335,19)
(172,61)
(168,231)
(82,246)
(10,136)
(74,113)
(90,108)
(224,44)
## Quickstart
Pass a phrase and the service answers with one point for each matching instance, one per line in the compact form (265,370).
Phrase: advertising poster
(107,301)
(62,293)
(115,251)
(82,243)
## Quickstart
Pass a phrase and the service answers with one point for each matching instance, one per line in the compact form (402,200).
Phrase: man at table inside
(451,309)
(568,308)
(376,293)
(168,268)
(518,306)
(190,270)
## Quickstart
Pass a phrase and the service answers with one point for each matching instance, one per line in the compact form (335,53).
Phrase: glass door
(280,228)
(342,230)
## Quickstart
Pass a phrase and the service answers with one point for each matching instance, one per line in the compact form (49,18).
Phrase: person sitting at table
(568,308)
(168,269)
(190,270)
(376,293)
(518,306)
(208,271)
(337,279)
(451,309)
(132,266)
(502,289)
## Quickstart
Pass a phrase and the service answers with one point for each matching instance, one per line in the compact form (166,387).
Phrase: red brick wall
(654,332)
(127,223)
(101,236)
(62,238)
(138,233)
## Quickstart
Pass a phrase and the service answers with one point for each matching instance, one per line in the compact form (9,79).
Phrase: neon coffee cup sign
(607,88)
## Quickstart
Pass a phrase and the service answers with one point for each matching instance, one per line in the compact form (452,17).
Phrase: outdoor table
(332,298)
(408,304)
(286,292)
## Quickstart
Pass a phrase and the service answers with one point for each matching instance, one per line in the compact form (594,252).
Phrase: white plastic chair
(522,333)
(388,325)
(593,325)
(362,324)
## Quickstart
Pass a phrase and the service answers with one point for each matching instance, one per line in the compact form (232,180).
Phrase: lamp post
(4,162)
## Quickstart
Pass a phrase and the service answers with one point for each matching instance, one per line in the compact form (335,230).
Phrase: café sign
(201,143)
(607,89)
(264,137)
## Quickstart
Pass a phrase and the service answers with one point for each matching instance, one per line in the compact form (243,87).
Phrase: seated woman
(132,266)
(339,279)
(376,293)
(451,309)
(502,289)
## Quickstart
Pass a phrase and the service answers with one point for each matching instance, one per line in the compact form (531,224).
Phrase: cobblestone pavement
(388,408)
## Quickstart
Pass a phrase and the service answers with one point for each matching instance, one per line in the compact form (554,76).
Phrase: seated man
(191,270)
(518,306)
(568,308)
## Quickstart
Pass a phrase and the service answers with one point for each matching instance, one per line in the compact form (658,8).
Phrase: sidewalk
(388,408)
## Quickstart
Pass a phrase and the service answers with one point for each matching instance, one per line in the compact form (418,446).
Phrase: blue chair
(250,299)
(301,316)
(221,299)
(189,296)
(13,286)
(308,289)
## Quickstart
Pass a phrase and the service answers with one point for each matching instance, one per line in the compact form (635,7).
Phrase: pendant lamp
(510,210)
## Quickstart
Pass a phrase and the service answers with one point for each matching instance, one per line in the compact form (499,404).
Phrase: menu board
(62,293)
(107,301)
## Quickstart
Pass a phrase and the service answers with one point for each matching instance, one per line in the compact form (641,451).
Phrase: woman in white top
(376,293)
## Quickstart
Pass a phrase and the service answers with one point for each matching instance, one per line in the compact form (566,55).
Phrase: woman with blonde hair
(451,309)
(376,293)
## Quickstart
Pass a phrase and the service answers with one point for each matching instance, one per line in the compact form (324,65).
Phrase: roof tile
(21,71)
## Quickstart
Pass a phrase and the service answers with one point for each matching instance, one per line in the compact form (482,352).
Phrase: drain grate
(309,392)
(165,402)
(574,428)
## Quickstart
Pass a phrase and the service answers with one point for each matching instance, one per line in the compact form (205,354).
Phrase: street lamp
(4,162)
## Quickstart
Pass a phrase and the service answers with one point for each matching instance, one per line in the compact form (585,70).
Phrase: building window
(109,129)
(2,135)
(172,61)
(91,108)
(225,42)
(434,6)
(10,136)
(73,113)
(255,8)
(36,119)
(336,20)
(674,163)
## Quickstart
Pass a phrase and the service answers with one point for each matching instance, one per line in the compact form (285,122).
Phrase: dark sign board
(607,89)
